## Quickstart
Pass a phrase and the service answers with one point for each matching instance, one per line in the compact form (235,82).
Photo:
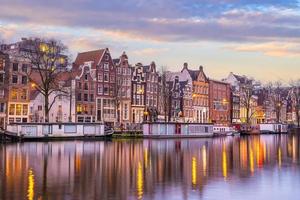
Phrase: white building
(62,110)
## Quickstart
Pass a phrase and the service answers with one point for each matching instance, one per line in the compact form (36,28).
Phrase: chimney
(201,68)
(185,65)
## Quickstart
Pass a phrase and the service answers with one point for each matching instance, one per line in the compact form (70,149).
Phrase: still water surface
(260,167)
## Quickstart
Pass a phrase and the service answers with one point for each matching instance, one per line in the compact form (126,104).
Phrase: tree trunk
(298,119)
(46,108)
(247,116)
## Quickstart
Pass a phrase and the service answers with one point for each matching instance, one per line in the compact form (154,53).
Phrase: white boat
(223,131)
(58,130)
(273,128)
(177,130)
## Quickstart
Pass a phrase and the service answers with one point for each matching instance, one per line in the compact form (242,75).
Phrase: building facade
(18,90)
(4,81)
(138,101)
(220,102)
(123,91)
(105,85)
(200,94)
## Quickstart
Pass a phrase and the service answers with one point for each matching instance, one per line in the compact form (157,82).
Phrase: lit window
(12,109)
(79,109)
(18,109)
(14,94)
(25,109)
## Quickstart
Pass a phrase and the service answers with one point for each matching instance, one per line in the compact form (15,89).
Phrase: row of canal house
(112,91)
(197,98)
(102,89)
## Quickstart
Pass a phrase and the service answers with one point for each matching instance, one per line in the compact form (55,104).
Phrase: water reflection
(150,169)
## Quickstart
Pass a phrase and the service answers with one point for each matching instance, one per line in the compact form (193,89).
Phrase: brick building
(151,92)
(4,68)
(219,102)
(138,101)
(105,85)
(200,94)
(123,90)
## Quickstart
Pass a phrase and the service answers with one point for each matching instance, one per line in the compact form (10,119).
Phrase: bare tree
(247,101)
(275,98)
(295,88)
(165,94)
(48,60)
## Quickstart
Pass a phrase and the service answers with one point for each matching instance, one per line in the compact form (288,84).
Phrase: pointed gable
(94,56)
(201,75)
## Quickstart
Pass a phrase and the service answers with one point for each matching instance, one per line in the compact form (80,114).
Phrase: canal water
(256,167)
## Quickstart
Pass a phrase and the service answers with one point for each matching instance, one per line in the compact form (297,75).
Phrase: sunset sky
(257,38)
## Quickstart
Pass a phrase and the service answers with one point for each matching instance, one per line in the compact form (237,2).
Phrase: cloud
(149,51)
(168,20)
(275,49)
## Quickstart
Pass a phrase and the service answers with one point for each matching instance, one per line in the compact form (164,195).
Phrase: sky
(257,38)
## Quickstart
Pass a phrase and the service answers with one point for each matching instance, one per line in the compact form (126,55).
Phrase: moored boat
(271,128)
(29,131)
(223,130)
(177,130)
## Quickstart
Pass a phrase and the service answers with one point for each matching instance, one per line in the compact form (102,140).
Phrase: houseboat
(224,131)
(273,128)
(57,130)
(177,130)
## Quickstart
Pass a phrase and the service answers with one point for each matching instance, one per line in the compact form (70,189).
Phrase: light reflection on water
(257,167)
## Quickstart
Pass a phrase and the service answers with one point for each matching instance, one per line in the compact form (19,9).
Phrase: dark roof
(116,61)
(242,79)
(34,94)
(146,68)
(194,74)
(94,56)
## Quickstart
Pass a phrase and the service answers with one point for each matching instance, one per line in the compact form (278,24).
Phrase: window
(80,119)
(14,79)
(79,97)
(1,78)
(100,89)
(91,97)
(24,80)
(86,87)
(86,97)
(112,78)
(2,93)
(14,94)
(25,109)
(106,66)
(12,109)
(125,111)
(18,109)
(106,77)
(100,77)
(15,67)
(86,77)
(79,109)
(2,107)
(106,90)
(24,68)
(40,108)
(79,85)
(24,94)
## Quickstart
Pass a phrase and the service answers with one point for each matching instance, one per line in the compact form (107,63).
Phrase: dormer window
(106,57)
